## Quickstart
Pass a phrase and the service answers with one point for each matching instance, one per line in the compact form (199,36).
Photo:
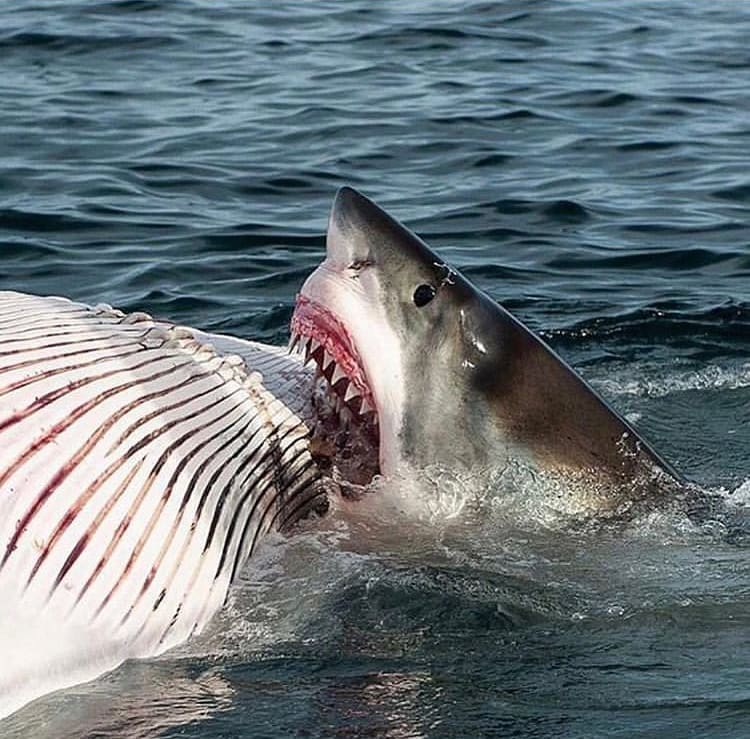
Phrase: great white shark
(141,463)
(451,376)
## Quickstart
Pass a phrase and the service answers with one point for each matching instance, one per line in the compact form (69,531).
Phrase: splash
(711,377)
(515,494)
(740,496)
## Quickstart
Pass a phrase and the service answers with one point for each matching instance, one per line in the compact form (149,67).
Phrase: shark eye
(423,295)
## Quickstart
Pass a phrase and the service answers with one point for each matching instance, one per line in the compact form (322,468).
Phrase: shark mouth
(348,424)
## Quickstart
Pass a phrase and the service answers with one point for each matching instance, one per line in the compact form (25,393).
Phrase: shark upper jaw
(336,326)
(340,322)
(324,338)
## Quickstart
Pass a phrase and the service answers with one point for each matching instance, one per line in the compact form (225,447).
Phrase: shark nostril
(359,264)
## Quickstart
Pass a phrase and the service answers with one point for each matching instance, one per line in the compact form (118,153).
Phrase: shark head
(442,372)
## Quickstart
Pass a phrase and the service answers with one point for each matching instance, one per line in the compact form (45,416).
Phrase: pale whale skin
(139,468)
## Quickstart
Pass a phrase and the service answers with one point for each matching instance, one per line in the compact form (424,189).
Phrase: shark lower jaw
(348,430)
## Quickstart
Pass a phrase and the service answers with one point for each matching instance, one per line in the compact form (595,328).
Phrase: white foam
(711,377)
(435,495)
(519,492)
(740,496)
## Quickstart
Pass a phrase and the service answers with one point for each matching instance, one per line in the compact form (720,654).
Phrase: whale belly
(139,468)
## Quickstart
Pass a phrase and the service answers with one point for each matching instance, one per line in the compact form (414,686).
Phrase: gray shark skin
(479,388)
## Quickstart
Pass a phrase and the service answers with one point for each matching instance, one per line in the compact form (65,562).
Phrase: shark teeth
(351,392)
(338,374)
(293,343)
(349,401)
(312,348)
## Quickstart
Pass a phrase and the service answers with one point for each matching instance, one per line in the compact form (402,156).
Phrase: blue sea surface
(585,162)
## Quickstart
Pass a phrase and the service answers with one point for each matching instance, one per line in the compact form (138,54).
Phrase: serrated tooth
(308,350)
(327,359)
(366,407)
(338,374)
(351,392)
(293,342)
(315,344)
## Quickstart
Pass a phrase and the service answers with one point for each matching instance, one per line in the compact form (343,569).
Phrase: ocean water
(586,163)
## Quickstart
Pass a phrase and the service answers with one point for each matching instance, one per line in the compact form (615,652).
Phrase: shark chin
(451,378)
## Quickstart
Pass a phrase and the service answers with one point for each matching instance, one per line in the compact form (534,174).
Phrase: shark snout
(349,229)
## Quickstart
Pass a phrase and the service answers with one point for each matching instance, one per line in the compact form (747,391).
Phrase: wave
(82,44)
(665,322)
(711,377)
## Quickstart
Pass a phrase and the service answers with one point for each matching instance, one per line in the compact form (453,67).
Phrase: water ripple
(584,163)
